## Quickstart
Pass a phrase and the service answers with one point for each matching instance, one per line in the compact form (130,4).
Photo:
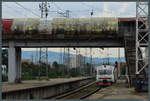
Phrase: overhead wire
(12,13)
(11,8)
(27,9)
(60,10)
(93,7)
(58,7)
(97,9)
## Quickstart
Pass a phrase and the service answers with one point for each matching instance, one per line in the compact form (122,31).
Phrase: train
(72,27)
(106,75)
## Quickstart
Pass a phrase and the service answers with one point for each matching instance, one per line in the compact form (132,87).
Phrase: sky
(77,9)
(96,52)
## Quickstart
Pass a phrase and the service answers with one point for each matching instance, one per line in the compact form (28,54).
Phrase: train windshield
(105,72)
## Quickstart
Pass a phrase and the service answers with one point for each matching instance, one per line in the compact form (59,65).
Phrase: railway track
(81,93)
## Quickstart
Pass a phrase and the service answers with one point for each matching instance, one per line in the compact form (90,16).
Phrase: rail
(76,94)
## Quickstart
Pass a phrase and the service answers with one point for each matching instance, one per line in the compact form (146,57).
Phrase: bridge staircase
(130,55)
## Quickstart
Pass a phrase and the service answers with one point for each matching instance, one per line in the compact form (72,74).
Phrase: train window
(104,72)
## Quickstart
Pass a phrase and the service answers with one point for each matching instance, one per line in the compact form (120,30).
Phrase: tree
(73,72)
(55,65)
(123,70)
(5,57)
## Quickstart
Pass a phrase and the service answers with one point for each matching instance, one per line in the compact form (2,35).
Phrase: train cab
(105,75)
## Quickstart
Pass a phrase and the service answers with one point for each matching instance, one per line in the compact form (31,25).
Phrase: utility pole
(68,54)
(85,54)
(41,6)
(119,62)
(100,56)
(91,70)
(44,51)
(39,64)
(68,61)
(64,56)
(79,59)
(64,59)
(67,13)
(92,13)
(44,9)
(76,59)
(36,56)
(85,59)
(60,56)
(47,62)
(32,58)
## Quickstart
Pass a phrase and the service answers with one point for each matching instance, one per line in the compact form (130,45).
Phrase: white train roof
(105,67)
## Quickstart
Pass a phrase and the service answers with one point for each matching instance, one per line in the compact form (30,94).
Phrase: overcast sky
(96,52)
(77,9)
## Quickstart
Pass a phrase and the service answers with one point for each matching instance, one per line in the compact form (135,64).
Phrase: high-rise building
(78,61)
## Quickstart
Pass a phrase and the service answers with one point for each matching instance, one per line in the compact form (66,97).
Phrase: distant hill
(55,56)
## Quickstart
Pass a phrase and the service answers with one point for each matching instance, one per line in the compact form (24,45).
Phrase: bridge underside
(34,43)
(15,43)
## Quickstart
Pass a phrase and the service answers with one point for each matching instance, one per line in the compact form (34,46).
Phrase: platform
(42,89)
(6,87)
(118,91)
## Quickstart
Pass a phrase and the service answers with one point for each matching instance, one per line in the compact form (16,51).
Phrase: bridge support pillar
(14,64)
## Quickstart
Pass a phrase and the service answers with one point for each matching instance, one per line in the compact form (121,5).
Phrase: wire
(12,13)
(90,6)
(58,7)
(27,9)
(12,8)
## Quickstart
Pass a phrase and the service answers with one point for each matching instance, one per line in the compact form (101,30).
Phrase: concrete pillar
(18,62)
(14,64)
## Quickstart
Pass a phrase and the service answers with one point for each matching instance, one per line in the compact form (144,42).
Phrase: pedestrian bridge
(123,37)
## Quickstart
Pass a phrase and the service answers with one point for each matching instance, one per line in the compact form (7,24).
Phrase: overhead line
(27,9)
(58,7)
(11,8)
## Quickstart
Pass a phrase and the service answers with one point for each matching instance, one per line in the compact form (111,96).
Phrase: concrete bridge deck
(47,40)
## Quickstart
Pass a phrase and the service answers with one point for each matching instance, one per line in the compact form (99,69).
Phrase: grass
(102,97)
(105,95)
(94,87)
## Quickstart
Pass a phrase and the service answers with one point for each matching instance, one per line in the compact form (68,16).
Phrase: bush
(52,74)
(28,77)
(4,78)
(123,70)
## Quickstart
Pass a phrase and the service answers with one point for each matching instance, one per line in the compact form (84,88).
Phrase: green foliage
(73,72)
(5,57)
(52,74)
(4,78)
(28,77)
(87,69)
(123,70)
(55,65)
(30,71)
(35,72)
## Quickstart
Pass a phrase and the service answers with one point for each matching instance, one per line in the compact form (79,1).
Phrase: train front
(104,75)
